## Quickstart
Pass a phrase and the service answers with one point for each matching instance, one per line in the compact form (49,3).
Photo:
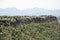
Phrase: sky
(26,4)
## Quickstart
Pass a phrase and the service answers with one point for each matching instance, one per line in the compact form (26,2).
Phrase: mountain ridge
(28,12)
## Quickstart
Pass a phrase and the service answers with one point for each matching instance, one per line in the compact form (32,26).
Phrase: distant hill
(58,18)
(29,12)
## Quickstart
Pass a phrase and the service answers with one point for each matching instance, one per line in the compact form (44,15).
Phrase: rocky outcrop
(51,18)
(5,22)
(42,19)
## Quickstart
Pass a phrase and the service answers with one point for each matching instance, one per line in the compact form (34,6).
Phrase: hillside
(33,31)
(18,28)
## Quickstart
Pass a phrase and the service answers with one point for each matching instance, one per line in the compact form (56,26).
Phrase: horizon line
(29,8)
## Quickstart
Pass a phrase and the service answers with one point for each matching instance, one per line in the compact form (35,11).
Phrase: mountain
(29,12)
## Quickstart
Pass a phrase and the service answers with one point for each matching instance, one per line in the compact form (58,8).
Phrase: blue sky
(27,4)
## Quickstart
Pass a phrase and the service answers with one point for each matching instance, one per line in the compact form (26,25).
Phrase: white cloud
(23,4)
